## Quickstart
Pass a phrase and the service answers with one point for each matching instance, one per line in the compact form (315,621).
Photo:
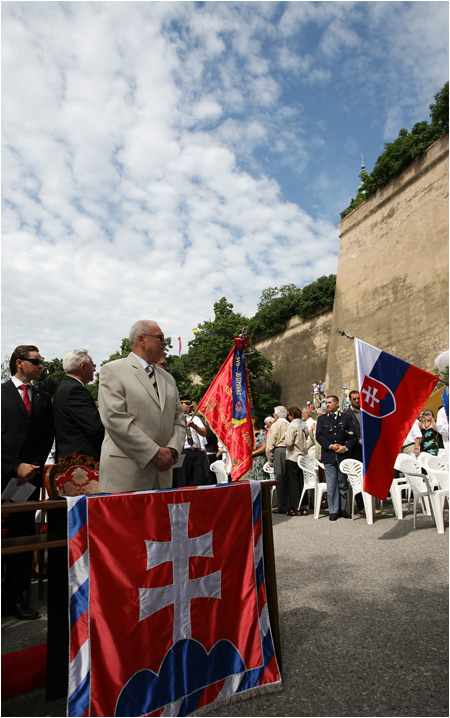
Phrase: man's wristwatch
(174,455)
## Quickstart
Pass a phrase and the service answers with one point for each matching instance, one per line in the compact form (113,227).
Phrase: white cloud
(144,146)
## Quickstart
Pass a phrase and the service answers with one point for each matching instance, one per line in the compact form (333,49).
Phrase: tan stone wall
(299,356)
(392,278)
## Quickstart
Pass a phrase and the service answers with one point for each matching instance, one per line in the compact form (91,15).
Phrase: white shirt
(195,437)
(442,426)
(414,433)
(17,383)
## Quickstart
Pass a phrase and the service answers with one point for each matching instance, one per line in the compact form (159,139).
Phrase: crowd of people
(146,437)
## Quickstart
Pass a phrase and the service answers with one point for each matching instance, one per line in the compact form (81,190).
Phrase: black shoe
(333,517)
(344,514)
(23,612)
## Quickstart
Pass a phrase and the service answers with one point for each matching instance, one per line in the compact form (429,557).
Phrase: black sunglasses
(36,362)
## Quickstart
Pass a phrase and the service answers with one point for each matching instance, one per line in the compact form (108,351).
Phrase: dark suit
(335,430)
(25,439)
(356,451)
(78,426)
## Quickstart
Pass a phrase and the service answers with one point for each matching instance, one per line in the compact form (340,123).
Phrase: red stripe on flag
(210,694)
(271,673)
(79,634)
(78,545)
(410,397)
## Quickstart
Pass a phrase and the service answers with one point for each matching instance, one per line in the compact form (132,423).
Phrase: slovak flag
(168,609)
(392,394)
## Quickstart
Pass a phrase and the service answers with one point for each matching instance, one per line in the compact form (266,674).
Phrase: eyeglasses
(156,336)
(36,362)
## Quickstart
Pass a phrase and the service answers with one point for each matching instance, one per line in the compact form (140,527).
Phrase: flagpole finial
(344,334)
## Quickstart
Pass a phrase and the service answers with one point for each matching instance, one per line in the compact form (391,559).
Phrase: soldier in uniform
(336,435)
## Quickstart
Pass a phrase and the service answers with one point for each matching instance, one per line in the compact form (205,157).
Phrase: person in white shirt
(192,471)
(411,445)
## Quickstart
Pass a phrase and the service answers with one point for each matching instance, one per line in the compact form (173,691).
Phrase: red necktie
(26,398)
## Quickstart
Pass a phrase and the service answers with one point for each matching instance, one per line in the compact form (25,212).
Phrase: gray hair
(269,420)
(280,411)
(139,327)
(74,359)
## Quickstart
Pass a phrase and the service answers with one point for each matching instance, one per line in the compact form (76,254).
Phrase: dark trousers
(18,566)
(192,471)
(294,483)
(279,467)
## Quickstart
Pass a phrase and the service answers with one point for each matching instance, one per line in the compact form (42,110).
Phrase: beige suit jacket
(137,423)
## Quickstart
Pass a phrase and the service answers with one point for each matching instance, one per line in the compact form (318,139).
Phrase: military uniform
(335,428)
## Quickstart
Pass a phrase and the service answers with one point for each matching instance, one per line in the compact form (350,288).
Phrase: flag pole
(342,333)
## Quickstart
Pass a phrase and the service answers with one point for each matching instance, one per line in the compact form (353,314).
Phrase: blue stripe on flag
(259,573)
(79,700)
(257,508)
(390,371)
(253,677)
(77,516)
(79,602)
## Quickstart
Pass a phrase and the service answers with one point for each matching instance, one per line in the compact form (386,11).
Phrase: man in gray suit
(142,415)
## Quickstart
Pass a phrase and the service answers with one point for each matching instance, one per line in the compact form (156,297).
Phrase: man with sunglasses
(142,415)
(27,437)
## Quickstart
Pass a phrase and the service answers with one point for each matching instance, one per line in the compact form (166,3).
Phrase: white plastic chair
(219,469)
(401,484)
(310,467)
(412,470)
(270,471)
(437,499)
(354,471)
(438,463)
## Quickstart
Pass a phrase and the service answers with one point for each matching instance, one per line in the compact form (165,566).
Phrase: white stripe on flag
(366,357)
(79,667)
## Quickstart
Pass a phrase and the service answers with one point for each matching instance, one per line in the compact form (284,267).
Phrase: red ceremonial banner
(217,407)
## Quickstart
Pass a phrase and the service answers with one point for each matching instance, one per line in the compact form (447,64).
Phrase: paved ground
(364,622)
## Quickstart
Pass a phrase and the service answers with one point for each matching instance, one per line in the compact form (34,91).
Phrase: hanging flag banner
(168,608)
(238,381)
(179,346)
(228,407)
(392,394)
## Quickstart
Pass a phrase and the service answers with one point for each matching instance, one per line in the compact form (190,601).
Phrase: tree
(275,307)
(439,109)
(6,374)
(403,150)
(52,369)
(317,295)
(211,346)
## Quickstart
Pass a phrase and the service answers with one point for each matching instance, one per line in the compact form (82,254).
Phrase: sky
(157,156)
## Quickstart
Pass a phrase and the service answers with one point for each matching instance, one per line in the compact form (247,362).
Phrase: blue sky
(157,156)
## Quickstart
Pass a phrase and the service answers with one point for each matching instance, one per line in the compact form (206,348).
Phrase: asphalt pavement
(363,615)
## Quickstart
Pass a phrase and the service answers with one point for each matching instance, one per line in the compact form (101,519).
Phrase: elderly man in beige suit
(142,415)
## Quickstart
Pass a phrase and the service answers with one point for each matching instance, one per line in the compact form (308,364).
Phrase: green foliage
(402,151)
(6,374)
(439,109)
(276,306)
(212,344)
(51,370)
(318,294)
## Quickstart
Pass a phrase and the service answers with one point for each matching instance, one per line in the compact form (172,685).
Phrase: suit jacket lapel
(144,379)
(160,381)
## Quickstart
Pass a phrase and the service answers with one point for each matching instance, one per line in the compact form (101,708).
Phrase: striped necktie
(151,375)
(26,398)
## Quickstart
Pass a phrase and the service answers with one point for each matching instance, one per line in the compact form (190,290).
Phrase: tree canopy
(402,151)
(276,306)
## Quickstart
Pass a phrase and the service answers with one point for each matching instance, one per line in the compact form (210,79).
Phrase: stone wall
(391,288)
(392,278)
(299,356)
